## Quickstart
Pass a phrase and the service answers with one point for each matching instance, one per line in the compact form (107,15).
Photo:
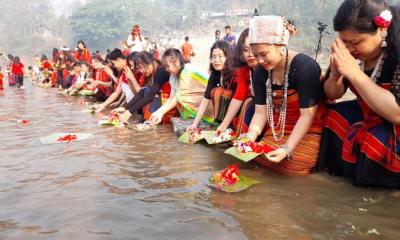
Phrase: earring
(283,51)
(384,34)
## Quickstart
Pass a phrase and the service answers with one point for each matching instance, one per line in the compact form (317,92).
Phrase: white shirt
(138,46)
(128,92)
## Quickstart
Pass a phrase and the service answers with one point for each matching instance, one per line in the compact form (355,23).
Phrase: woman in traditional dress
(220,84)
(100,80)
(287,93)
(245,64)
(361,138)
(83,54)
(156,88)
(17,69)
(188,84)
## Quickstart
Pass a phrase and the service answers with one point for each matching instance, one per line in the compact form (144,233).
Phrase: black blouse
(304,77)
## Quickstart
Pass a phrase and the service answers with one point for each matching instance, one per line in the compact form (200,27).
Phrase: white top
(128,92)
(138,46)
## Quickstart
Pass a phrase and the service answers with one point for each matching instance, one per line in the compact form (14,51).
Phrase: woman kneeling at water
(245,64)
(361,138)
(187,88)
(219,86)
(149,98)
(287,93)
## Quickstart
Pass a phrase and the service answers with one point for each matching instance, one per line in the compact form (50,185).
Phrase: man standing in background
(187,50)
(229,37)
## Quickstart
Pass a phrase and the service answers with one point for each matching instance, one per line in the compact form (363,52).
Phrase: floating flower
(67,138)
(24,121)
(227,177)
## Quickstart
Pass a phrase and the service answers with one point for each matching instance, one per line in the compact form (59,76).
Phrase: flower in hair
(384,19)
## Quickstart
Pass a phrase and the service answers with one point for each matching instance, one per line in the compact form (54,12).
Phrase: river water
(128,185)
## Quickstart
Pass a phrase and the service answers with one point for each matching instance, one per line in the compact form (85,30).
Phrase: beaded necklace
(270,105)
(378,68)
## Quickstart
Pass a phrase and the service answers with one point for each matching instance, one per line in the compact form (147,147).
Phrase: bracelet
(289,152)
(251,136)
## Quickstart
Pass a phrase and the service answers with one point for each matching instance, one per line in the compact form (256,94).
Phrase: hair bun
(289,25)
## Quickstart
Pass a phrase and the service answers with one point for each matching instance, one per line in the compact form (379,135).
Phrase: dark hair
(16,60)
(358,15)
(174,54)
(227,27)
(238,60)
(131,58)
(115,54)
(55,51)
(186,38)
(29,67)
(147,58)
(217,31)
(83,43)
(43,58)
(82,62)
(98,58)
(228,69)
(76,64)
(10,56)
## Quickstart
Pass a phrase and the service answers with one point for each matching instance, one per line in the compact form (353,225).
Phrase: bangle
(289,153)
(251,136)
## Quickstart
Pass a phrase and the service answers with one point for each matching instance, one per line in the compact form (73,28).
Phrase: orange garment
(84,56)
(1,81)
(187,51)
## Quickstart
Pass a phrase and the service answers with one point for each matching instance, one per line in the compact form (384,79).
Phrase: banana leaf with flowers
(230,180)
(246,150)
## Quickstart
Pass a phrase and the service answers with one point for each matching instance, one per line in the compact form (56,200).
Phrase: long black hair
(174,54)
(358,15)
(238,60)
(228,69)
(131,58)
(147,58)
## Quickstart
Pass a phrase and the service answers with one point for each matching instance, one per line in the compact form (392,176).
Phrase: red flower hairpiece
(384,20)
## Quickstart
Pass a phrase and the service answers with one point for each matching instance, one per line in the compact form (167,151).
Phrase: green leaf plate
(245,157)
(241,185)
(184,138)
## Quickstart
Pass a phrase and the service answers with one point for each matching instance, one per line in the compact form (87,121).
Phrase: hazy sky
(63,7)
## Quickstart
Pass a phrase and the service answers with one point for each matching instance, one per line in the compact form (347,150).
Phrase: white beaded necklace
(377,70)
(270,105)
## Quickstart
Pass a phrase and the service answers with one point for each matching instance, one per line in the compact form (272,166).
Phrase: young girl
(287,93)
(219,86)
(157,87)
(83,54)
(10,76)
(245,64)
(124,88)
(187,88)
(17,70)
(101,80)
(361,138)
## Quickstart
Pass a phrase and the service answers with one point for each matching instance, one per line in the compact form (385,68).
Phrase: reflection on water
(128,185)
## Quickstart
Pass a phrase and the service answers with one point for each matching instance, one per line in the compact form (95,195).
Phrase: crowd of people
(263,90)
